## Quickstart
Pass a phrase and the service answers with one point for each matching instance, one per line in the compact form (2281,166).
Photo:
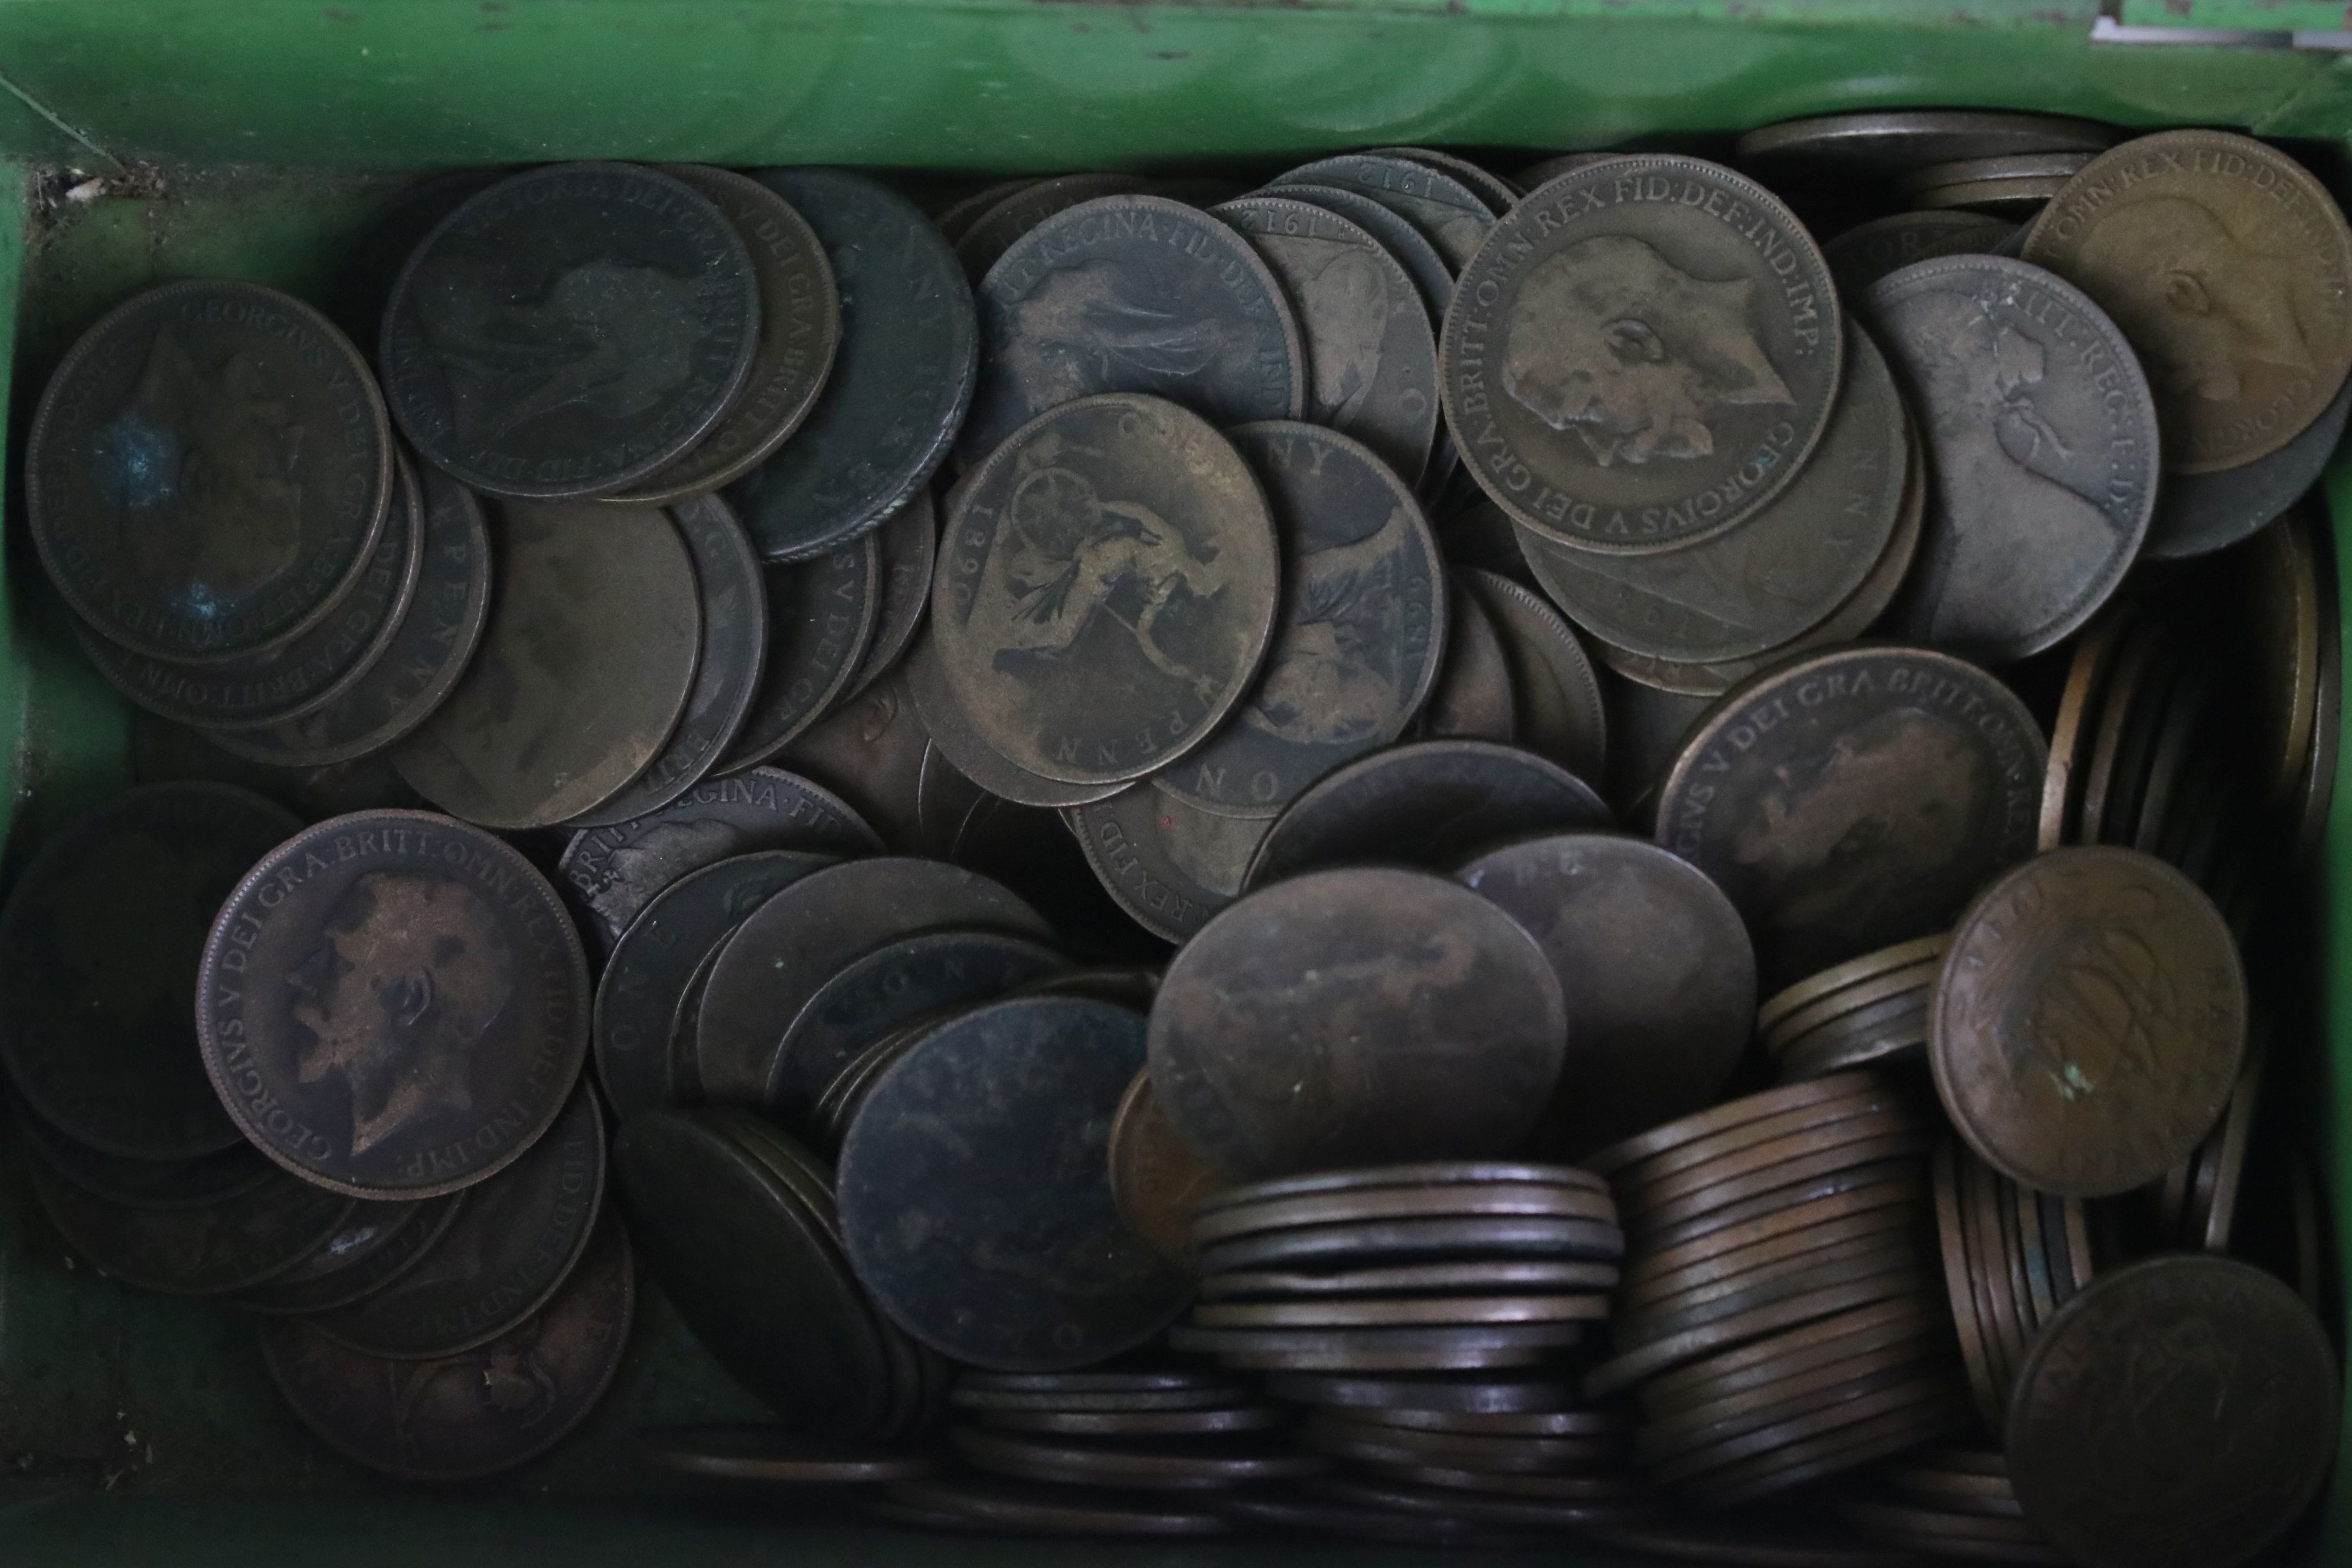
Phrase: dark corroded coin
(1763,584)
(955,740)
(98,950)
(874,750)
(1853,799)
(1557,694)
(993,230)
(821,617)
(394,1005)
(1644,353)
(1133,294)
(1449,213)
(520,1235)
(2043,452)
(2089,1022)
(2179,1413)
(465,1416)
(614,872)
(295,677)
(777,959)
(893,984)
(1432,276)
(638,1061)
(208,472)
(382,1242)
(429,648)
(908,544)
(899,384)
(1167,1463)
(1657,971)
(772,1456)
(1371,353)
(974,1198)
(800,328)
(1473,699)
(1356,1015)
(1169,865)
(1106,589)
(233,1244)
(1155,1176)
(2198,513)
(144,1184)
(582,672)
(727,674)
(1362,627)
(1868,252)
(1433,803)
(570,330)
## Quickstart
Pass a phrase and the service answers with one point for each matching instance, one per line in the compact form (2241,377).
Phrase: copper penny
(1231,1220)
(1375,1312)
(1156,1178)
(1409,1173)
(1722,1118)
(1698,1424)
(1793,1169)
(1644,1198)
(1836,978)
(1855,1395)
(1827,1120)
(1960,1286)
(1848,1448)
(1631,1330)
(1645,1361)
(1876,1173)
(1413,1278)
(1504,1235)
(1369,1443)
(1598,1424)
(1733,1240)
(1750,1371)
(1140,1422)
(771,1455)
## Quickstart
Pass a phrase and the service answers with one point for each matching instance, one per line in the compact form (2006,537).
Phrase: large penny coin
(208,472)
(1642,353)
(2089,1022)
(1169,865)
(821,616)
(394,1005)
(1450,215)
(570,330)
(584,670)
(1354,1016)
(1854,799)
(1106,588)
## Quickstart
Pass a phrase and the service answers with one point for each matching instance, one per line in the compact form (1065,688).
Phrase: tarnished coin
(1450,214)
(144,1184)
(1446,1015)
(991,231)
(1362,626)
(429,647)
(874,752)
(1136,295)
(973,1190)
(1177,1464)
(1888,141)
(1409,1173)
(1558,695)
(380,1242)
(613,873)
(208,472)
(2041,439)
(1432,275)
(234,1242)
(952,217)
(1433,803)
(1141,1423)
(570,330)
(1169,865)
(1468,1348)
(1224,1219)
(2230,270)
(1641,1151)
(1656,969)
(466,1416)
(900,381)
(800,328)
(1644,353)
(1472,698)
(1764,583)
(1869,251)
(908,544)
(392,1004)
(98,950)
(1156,1177)
(821,618)
(775,1456)
(2198,513)
(1498,194)
(583,671)
(956,741)
(2181,1411)
(1853,799)
(2089,1022)
(1371,352)
(1107,590)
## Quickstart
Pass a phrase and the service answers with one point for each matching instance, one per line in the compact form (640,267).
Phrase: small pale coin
(1450,215)
(908,543)
(1472,698)
(1169,865)
(1156,1178)
(1559,711)
(821,613)
(1869,251)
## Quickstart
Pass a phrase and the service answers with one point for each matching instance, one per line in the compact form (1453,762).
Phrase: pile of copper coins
(1453,852)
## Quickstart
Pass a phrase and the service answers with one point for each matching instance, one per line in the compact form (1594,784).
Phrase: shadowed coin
(1560,715)
(1853,799)
(208,472)
(973,1190)
(581,674)
(821,617)
(1869,251)
(1472,698)
(465,1416)
(900,382)
(1449,213)
(874,751)
(1356,1015)
(772,1456)
(380,1243)
(908,543)
(1483,535)
(2198,513)
(144,1184)
(394,1005)
(1646,728)
(957,741)
(991,231)
(1171,866)
(1431,277)
(999,1505)
(570,330)
(234,1242)
(1155,1176)
(98,950)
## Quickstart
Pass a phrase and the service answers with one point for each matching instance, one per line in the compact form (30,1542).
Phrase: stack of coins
(775,1458)
(2011,1258)
(1147,1431)
(2198,1203)
(1868,1009)
(1950,1502)
(2017,186)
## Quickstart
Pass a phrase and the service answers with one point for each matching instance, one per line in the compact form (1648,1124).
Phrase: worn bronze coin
(873,750)
(1222,1221)
(392,1004)
(1469,1347)
(98,949)
(774,1456)
(2042,435)
(587,662)
(234,1242)
(1134,294)
(822,615)
(1448,1016)
(2230,268)
(1382,1242)
(1449,213)
(1430,803)
(1173,1463)
(989,232)
(1632,1366)
(1169,864)
(1786,1006)
(779,957)
(1412,1173)
(1113,558)
(1376,1443)
(1371,352)
(1644,353)
(465,1416)
(208,472)
(1557,695)
(1039,1508)
(1473,697)
(570,330)
(1412,1280)
(1499,195)
(1156,1178)
(1855,798)
(382,1242)
(1749,1110)
(142,1184)
(1406,1489)
(1697,1161)
(1432,276)
(428,650)
(899,384)
(2089,1022)
(1867,252)
(800,329)
(1461,1395)
(907,543)
(1140,1422)
(957,741)
(2197,514)
(966,1198)
(1372,1311)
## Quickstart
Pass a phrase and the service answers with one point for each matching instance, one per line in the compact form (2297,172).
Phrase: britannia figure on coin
(1090,326)
(2199,303)
(1612,341)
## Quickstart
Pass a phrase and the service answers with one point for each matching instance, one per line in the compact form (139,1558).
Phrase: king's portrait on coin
(2200,304)
(409,975)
